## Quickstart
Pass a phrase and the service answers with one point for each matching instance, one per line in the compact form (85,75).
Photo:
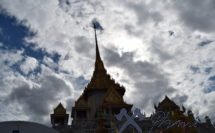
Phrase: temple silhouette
(94,111)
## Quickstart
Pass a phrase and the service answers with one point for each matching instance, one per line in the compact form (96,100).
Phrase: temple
(96,108)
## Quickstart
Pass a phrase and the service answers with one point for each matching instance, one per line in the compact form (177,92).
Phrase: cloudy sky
(152,47)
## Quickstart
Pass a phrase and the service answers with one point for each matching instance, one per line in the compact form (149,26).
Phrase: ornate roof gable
(60,109)
(113,97)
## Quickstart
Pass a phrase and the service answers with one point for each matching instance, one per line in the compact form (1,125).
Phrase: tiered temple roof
(102,81)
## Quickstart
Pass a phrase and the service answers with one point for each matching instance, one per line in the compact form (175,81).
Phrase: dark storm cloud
(151,83)
(135,69)
(197,14)
(36,101)
(205,42)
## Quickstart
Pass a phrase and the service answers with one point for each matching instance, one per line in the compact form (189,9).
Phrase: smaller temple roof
(60,109)
(167,103)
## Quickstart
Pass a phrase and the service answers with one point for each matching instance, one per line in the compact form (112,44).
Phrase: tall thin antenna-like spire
(97,47)
(99,66)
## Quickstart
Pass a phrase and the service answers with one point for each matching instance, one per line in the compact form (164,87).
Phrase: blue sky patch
(12,35)
(80,82)
(212,78)
(211,86)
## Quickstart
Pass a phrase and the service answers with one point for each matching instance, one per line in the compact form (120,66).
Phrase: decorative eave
(127,106)
(103,81)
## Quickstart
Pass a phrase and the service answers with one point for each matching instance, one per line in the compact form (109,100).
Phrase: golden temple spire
(100,80)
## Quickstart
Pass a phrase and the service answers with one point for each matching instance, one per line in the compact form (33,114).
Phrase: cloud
(36,101)
(150,83)
(197,14)
(160,53)
(29,65)
(84,46)
(145,12)
(180,99)
(195,69)
(208,70)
